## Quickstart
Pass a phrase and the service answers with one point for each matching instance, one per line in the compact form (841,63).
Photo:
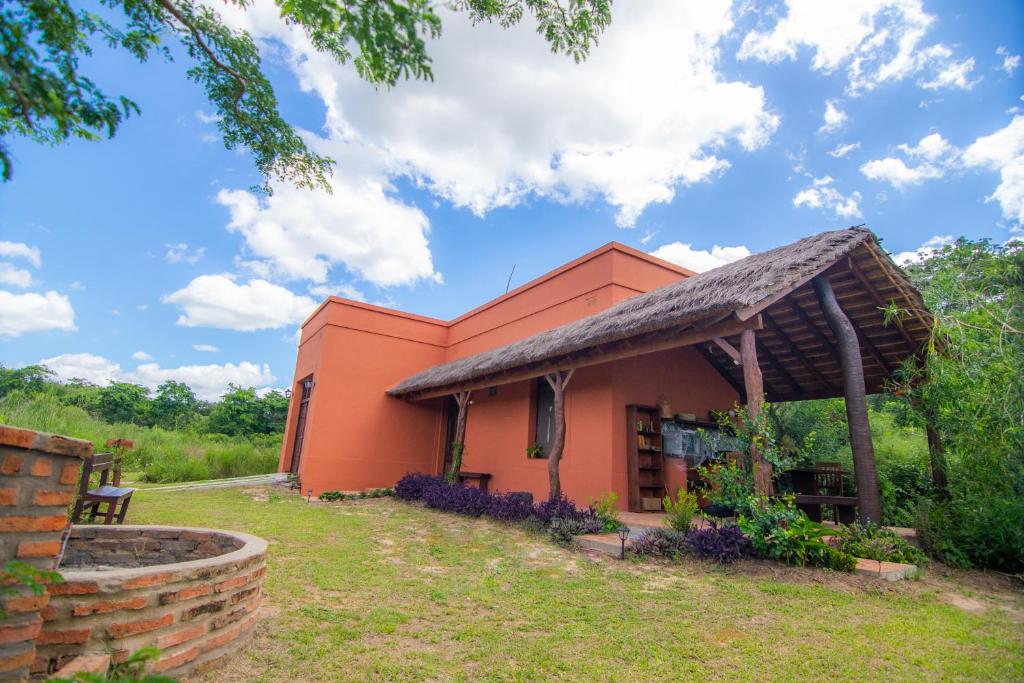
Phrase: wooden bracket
(729,349)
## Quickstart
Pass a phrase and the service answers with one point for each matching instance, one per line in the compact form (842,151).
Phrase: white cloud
(1010,62)
(208,382)
(182,253)
(842,150)
(1003,151)
(834,118)
(21,250)
(207,118)
(505,120)
(699,260)
(141,355)
(875,41)
(77,286)
(15,277)
(344,290)
(219,301)
(32,312)
(206,348)
(934,157)
(924,251)
(822,195)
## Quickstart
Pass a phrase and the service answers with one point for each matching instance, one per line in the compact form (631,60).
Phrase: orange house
(372,397)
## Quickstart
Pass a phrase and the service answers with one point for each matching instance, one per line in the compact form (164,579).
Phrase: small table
(481,479)
(808,496)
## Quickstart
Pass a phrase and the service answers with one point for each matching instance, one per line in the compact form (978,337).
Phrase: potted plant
(534,451)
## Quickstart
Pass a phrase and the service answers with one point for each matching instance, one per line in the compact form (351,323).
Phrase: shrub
(878,543)
(660,542)
(778,531)
(464,500)
(831,558)
(412,486)
(513,506)
(560,507)
(679,514)
(563,529)
(723,544)
(607,513)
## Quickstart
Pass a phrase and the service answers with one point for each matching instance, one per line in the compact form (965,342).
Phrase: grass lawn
(383,590)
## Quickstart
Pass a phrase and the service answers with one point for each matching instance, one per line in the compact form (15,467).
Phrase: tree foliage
(46,96)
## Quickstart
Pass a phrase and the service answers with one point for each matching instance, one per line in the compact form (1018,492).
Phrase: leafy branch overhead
(46,97)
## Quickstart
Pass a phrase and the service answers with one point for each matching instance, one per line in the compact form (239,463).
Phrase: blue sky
(697,131)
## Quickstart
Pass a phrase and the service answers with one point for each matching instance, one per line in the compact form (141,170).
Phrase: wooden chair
(828,481)
(113,496)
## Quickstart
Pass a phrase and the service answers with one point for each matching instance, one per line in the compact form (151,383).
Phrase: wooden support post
(869,499)
(558,381)
(459,442)
(754,384)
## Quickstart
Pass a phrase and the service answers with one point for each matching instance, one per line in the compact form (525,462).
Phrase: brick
(149,580)
(41,467)
(12,464)
(197,536)
(171,661)
(8,496)
(26,603)
(243,595)
(38,548)
(17,437)
(20,632)
(65,637)
(182,636)
(131,628)
(50,613)
(95,664)
(70,474)
(53,498)
(200,610)
(233,582)
(23,523)
(187,593)
(228,634)
(23,659)
(106,606)
(74,588)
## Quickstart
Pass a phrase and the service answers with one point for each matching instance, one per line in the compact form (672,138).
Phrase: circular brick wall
(193,593)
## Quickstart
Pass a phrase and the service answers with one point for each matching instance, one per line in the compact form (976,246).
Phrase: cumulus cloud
(15,277)
(209,382)
(21,250)
(141,355)
(822,194)
(1003,151)
(183,253)
(206,348)
(33,312)
(842,150)
(505,119)
(924,251)
(834,118)
(219,301)
(699,260)
(875,41)
(1010,62)
(932,157)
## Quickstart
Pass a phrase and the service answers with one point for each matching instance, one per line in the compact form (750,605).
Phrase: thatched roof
(756,279)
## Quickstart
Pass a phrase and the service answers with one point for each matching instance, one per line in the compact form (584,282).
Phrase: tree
(241,412)
(174,405)
(45,96)
(123,402)
(31,378)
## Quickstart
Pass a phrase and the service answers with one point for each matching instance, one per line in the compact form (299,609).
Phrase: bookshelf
(645,462)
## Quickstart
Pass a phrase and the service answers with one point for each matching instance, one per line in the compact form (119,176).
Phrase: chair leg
(95,511)
(76,515)
(111,509)
(124,510)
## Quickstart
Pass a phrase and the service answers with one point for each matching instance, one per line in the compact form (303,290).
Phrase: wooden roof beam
(792,348)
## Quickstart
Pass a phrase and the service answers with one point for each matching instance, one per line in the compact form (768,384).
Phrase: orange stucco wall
(357,437)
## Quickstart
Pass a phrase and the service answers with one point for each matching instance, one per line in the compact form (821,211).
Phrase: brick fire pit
(193,593)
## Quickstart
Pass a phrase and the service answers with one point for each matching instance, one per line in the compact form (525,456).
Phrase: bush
(660,542)
(723,544)
(679,514)
(563,529)
(560,507)
(513,506)
(778,531)
(606,511)
(877,543)
(836,560)
(464,500)
(412,486)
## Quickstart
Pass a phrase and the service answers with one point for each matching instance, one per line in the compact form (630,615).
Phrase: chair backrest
(97,462)
(829,476)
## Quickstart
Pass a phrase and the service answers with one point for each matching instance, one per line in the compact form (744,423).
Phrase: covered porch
(828,316)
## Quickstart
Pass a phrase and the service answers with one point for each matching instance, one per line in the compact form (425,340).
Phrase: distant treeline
(173,405)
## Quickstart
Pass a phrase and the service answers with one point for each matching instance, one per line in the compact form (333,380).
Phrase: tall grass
(160,455)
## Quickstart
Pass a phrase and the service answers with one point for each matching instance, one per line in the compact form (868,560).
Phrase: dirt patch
(966,604)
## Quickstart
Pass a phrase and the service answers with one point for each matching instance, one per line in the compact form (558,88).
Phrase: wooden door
(300,423)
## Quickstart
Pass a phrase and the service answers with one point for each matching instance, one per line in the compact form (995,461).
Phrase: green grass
(383,590)
(159,455)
